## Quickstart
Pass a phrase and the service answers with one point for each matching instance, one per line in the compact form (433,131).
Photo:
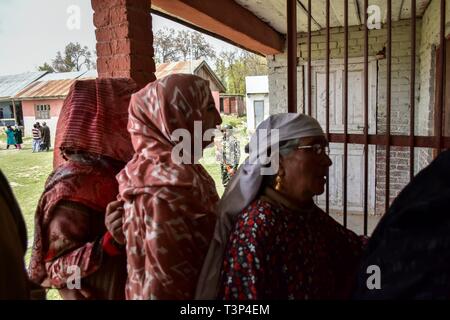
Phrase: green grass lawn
(27,173)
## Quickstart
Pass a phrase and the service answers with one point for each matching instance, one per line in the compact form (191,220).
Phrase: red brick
(118,15)
(121,31)
(121,74)
(102,4)
(142,47)
(125,39)
(120,46)
(143,63)
(141,5)
(102,64)
(101,18)
(103,49)
(143,78)
(103,34)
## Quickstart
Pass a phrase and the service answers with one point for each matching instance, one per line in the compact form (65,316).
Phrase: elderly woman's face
(303,171)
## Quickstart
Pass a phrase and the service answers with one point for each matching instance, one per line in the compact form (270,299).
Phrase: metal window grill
(385,140)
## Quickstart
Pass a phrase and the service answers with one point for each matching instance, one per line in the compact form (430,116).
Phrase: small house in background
(42,100)
(232,104)
(256,100)
(10,85)
(197,67)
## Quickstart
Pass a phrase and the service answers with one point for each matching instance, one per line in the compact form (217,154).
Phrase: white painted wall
(249,102)
(257,89)
(400,76)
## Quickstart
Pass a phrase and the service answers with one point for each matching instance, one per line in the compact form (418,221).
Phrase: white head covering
(245,185)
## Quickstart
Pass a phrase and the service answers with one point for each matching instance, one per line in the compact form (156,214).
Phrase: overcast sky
(31,32)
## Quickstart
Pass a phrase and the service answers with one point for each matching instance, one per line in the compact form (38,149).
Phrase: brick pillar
(124,39)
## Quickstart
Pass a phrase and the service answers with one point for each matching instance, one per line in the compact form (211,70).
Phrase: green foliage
(74,59)
(181,45)
(233,66)
(235,122)
(46,67)
(26,173)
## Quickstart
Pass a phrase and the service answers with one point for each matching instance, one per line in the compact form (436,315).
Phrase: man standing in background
(229,154)
(36,138)
(45,136)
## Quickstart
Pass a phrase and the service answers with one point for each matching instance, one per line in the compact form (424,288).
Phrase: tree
(181,45)
(164,45)
(234,65)
(46,67)
(193,45)
(74,59)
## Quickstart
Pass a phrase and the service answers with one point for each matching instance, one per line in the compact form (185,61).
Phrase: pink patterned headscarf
(169,207)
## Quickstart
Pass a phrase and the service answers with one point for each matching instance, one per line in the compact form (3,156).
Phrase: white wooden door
(355,162)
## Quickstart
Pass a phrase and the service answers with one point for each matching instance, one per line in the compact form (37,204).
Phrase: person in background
(13,245)
(18,137)
(45,138)
(73,232)
(36,138)
(230,154)
(10,140)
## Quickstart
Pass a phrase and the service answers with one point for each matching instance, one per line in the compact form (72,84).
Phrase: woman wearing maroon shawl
(71,241)
(169,205)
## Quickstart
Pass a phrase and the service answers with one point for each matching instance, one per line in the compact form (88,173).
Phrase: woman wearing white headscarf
(271,241)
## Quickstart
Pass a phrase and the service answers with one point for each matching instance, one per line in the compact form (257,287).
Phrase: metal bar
(412,89)
(388,103)
(345,108)
(439,111)
(309,60)
(303,91)
(292,54)
(366,117)
(396,140)
(327,106)
(305,10)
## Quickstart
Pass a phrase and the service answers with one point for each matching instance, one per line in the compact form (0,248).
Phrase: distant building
(10,85)
(39,96)
(257,100)
(196,67)
(232,104)
(42,100)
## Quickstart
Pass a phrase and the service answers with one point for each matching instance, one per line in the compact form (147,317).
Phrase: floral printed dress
(279,253)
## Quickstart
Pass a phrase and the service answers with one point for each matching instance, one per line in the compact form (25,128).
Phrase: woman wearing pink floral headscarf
(169,207)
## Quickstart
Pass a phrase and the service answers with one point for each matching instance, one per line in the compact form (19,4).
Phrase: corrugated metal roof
(62,75)
(189,67)
(10,85)
(46,89)
(91,74)
(52,85)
